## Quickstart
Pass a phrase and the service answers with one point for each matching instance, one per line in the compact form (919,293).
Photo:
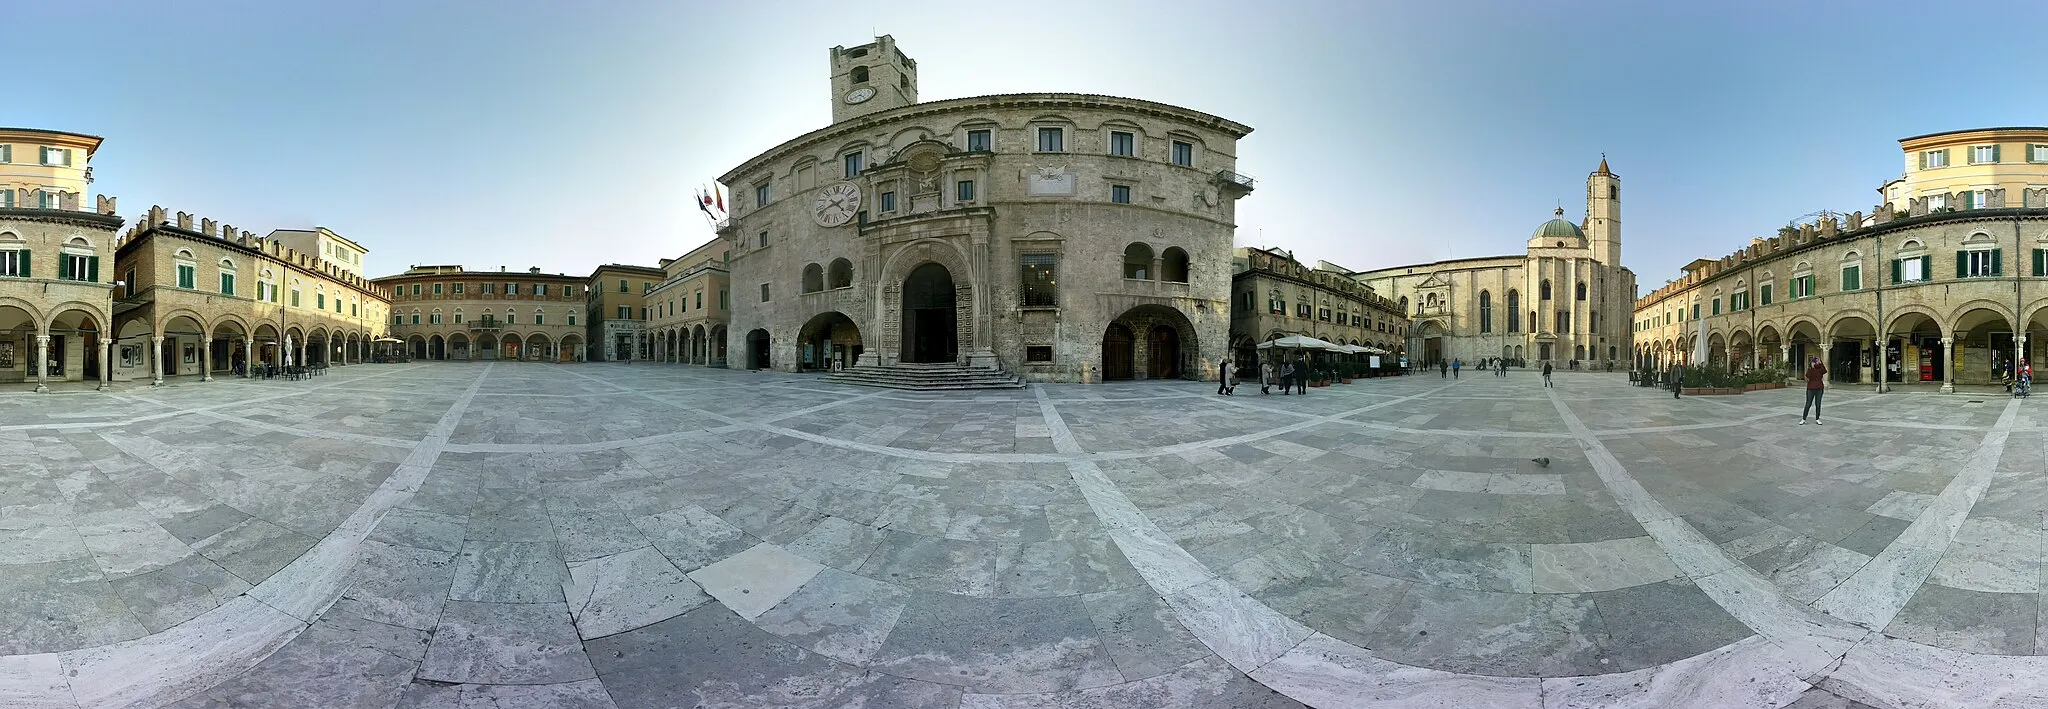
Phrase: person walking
(1546,372)
(1443,367)
(1266,377)
(1502,365)
(1223,372)
(1456,364)
(1286,378)
(1677,379)
(1816,383)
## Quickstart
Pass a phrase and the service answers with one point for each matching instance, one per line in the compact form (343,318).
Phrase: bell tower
(871,78)
(1603,214)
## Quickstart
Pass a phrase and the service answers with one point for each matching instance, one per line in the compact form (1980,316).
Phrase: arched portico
(1150,342)
(72,346)
(1982,342)
(920,285)
(572,348)
(829,340)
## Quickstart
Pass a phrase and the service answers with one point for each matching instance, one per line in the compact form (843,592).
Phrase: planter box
(1710,391)
(1319,384)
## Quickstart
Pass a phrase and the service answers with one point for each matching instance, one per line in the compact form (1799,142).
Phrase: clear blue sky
(525,133)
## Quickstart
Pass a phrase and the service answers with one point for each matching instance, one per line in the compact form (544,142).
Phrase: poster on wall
(131,356)
(7,354)
(191,354)
(1373,361)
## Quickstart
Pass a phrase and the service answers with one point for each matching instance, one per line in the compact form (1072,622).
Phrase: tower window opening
(860,75)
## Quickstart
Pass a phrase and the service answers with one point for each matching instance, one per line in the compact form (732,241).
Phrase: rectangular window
(188,276)
(888,201)
(6,154)
(1937,202)
(56,156)
(415,318)
(1052,140)
(980,140)
(434,319)
(320,301)
(1980,263)
(458,317)
(1038,353)
(540,318)
(1323,314)
(700,301)
(1983,154)
(295,297)
(764,292)
(6,196)
(458,289)
(397,319)
(1852,277)
(1276,305)
(1695,311)
(1120,194)
(724,299)
(1183,153)
(46,199)
(1933,158)
(487,288)
(2037,152)
(763,243)
(415,290)
(11,263)
(964,191)
(1122,144)
(1038,275)
(1301,310)
(1717,306)
(625,312)
(1912,270)
(437,289)
(572,318)
(852,161)
(1767,288)
(1564,321)
(761,195)
(540,289)
(227,284)
(511,319)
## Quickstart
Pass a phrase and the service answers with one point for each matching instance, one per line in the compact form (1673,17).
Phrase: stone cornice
(88,220)
(972,104)
(358,283)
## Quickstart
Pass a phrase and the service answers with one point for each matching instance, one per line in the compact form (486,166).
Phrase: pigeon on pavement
(1545,462)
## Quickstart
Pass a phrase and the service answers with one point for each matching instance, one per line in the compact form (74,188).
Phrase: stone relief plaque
(1052,181)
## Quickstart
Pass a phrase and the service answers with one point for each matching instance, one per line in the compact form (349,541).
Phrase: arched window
(508,316)
(1138,261)
(1543,293)
(1175,265)
(572,317)
(841,274)
(458,316)
(227,277)
(434,318)
(814,278)
(1580,292)
(860,75)
(1514,311)
(1404,305)
(415,317)
(1485,312)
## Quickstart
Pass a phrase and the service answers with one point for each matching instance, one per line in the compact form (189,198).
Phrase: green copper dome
(1558,228)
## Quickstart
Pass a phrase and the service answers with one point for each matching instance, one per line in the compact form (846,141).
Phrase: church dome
(1558,228)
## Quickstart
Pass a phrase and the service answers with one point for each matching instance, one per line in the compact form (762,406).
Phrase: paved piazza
(532,535)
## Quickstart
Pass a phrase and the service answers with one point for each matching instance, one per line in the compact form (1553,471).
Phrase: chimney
(501,269)
(534,269)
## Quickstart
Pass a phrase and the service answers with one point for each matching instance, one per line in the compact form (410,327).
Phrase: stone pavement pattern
(508,534)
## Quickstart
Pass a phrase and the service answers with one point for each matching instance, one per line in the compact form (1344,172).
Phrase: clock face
(836,205)
(861,94)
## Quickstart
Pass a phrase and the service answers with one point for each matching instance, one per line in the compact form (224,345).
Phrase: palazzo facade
(56,266)
(686,312)
(446,312)
(1062,237)
(1276,296)
(1565,299)
(1945,282)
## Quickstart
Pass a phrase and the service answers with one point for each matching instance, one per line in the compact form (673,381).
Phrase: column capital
(1946,341)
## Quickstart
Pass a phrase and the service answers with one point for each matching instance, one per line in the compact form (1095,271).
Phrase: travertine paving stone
(653,536)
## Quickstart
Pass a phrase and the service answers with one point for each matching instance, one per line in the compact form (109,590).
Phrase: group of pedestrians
(1291,376)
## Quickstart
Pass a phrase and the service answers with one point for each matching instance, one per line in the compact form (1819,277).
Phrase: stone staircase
(928,377)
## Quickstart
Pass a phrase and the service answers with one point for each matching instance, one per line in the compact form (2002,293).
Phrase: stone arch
(1137,263)
(36,318)
(1900,313)
(1955,314)
(1162,344)
(1173,265)
(813,278)
(839,274)
(828,339)
(896,268)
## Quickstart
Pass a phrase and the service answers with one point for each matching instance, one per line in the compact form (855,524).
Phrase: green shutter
(1998,262)
(1962,264)
(1895,271)
(6,153)
(25,271)
(1944,157)
(92,268)
(1923,159)
(1994,152)
(2038,261)
(63,267)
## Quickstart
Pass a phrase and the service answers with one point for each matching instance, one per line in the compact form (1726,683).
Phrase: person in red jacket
(1816,382)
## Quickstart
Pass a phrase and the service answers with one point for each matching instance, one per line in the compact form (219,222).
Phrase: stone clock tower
(871,78)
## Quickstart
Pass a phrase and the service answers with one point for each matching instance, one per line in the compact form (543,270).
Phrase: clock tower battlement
(871,78)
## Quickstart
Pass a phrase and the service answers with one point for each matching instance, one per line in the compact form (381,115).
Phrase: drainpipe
(2019,327)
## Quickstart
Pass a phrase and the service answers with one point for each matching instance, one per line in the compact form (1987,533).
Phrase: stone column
(301,354)
(206,360)
(156,360)
(1948,368)
(42,364)
(2019,352)
(106,363)
(248,355)
(1785,355)
(1871,373)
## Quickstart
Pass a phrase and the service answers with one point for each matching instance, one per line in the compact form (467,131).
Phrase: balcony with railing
(485,326)
(1234,179)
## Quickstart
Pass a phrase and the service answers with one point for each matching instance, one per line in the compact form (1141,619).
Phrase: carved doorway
(1117,354)
(930,321)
